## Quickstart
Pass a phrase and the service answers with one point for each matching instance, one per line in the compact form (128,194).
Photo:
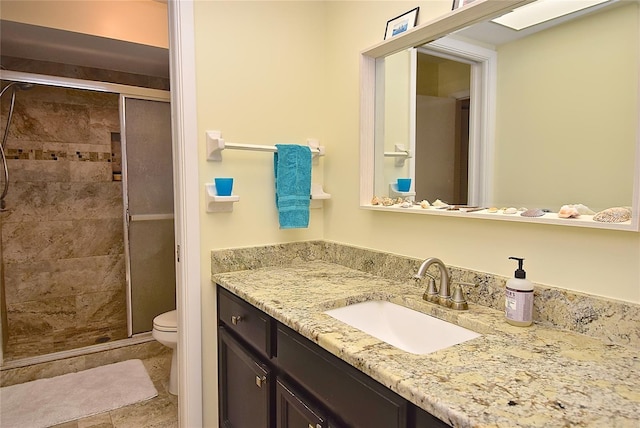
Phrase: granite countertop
(510,376)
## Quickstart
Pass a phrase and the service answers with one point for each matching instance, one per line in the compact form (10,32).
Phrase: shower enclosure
(86,236)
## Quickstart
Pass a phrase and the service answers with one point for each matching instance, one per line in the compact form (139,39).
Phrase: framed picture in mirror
(401,23)
(460,3)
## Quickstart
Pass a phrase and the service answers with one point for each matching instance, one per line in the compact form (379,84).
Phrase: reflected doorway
(443,89)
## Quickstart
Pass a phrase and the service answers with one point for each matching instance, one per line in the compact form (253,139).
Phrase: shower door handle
(150,217)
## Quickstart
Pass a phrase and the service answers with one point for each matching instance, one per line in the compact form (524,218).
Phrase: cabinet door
(424,419)
(293,412)
(244,386)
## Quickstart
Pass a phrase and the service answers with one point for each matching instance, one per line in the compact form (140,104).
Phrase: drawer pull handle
(235,319)
(260,380)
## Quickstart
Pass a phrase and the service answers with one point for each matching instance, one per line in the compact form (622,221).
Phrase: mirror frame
(478,11)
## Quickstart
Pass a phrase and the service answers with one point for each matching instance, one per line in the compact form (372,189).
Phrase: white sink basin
(404,328)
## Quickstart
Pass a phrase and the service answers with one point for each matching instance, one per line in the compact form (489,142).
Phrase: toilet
(165,331)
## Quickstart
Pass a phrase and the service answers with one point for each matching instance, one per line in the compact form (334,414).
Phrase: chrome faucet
(443,297)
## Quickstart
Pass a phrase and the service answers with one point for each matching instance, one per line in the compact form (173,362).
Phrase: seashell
(375,201)
(580,208)
(613,215)
(510,210)
(425,204)
(583,209)
(399,200)
(568,211)
(439,204)
(387,201)
(406,204)
(492,210)
(534,212)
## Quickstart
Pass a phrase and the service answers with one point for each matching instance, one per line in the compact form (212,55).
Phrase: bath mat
(47,402)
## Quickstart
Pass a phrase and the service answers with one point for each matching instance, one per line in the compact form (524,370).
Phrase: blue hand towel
(292,165)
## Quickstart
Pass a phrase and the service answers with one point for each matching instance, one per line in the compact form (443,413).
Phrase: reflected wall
(554,145)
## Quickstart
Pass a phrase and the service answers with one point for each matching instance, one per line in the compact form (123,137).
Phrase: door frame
(186,203)
(187,210)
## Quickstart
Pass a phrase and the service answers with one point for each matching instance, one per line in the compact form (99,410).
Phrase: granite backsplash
(607,319)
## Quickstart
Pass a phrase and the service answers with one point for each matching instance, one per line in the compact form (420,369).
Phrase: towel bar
(401,154)
(215,145)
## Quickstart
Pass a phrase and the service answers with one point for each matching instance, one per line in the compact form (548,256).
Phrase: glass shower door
(149,232)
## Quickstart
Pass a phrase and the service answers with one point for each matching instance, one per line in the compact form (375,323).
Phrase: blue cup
(223,186)
(404,184)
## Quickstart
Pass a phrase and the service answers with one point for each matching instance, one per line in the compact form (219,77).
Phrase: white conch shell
(406,204)
(583,209)
(425,204)
(439,204)
(568,211)
(510,210)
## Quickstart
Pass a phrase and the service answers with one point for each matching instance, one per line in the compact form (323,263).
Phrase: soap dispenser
(519,298)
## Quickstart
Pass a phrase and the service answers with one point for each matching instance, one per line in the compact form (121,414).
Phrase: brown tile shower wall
(62,239)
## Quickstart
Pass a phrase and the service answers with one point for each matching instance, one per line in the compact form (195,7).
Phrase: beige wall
(261,78)
(138,21)
(272,72)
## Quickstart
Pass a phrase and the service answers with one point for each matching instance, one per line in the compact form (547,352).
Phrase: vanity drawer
(247,322)
(358,400)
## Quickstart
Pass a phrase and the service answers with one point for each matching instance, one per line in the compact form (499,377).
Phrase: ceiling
(49,44)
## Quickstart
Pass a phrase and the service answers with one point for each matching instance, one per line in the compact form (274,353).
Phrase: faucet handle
(431,295)
(458,300)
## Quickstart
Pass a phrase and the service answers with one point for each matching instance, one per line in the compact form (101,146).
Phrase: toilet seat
(167,321)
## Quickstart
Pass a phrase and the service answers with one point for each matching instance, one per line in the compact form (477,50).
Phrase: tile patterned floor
(159,412)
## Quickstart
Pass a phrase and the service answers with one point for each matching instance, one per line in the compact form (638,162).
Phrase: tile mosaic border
(607,319)
(54,155)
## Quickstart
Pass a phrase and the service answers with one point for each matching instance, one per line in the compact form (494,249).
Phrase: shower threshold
(25,362)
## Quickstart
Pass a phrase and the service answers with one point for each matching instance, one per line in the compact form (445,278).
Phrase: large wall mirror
(482,115)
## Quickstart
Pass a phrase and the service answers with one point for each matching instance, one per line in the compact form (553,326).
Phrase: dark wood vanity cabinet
(271,376)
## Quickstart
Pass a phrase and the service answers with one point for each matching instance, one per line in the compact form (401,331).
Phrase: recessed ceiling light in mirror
(542,11)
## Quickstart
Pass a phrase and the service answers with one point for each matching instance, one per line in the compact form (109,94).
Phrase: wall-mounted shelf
(215,203)
(216,144)
(395,193)
(318,196)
